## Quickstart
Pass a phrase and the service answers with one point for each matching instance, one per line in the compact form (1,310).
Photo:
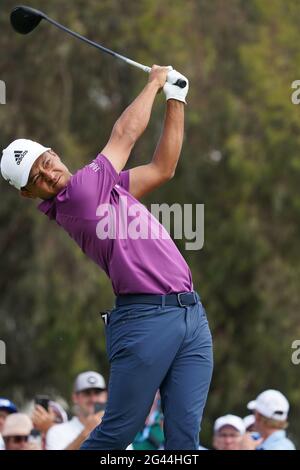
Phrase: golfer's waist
(180,299)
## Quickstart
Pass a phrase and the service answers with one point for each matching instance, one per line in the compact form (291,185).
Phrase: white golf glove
(174,92)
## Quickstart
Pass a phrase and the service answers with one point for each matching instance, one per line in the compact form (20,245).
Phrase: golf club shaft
(181,83)
(98,46)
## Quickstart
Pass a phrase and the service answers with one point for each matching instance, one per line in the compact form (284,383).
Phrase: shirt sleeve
(100,172)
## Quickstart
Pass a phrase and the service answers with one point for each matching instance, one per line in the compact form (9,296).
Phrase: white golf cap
(89,379)
(271,404)
(249,421)
(230,420)
(17,160)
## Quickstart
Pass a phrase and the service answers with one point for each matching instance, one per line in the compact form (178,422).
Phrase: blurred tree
(241,158)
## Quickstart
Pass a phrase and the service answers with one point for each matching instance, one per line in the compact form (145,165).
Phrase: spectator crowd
(45,425)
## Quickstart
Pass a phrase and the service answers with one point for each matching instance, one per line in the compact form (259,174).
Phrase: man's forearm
(134,120)
(168,150)
(75,445)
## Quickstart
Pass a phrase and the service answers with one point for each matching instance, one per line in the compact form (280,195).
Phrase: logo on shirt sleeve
(96,166)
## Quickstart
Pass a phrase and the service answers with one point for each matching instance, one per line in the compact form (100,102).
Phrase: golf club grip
(180,82)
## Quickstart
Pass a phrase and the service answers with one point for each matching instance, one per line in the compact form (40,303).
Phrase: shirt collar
(48,207)
(275,436)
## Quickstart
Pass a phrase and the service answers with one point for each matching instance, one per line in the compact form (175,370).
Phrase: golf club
(25,19)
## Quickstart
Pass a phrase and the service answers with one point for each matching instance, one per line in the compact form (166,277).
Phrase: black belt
(183,299)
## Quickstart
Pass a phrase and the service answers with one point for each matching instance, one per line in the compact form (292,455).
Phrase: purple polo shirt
(117,232)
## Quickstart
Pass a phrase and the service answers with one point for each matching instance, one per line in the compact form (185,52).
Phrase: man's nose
(48,175)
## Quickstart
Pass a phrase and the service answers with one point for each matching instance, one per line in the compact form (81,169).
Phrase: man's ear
(25,193)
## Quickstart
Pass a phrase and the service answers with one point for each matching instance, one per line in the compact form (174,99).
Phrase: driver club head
(25,19)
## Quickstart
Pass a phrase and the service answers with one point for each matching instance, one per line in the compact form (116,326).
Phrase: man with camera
(89,399)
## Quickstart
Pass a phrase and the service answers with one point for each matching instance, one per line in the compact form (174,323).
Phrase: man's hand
(174,92)
(159,75)
(43,420)
(91,421)
(248,443)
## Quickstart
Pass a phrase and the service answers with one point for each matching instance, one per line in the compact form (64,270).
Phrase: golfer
(157,335)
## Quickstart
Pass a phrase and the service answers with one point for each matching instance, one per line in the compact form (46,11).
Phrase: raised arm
(145,178)
(134,120)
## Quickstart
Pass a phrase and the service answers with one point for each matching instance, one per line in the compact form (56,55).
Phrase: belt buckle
(178,298)
(186,305)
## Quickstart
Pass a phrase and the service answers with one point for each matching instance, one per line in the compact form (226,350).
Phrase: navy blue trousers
(152,347)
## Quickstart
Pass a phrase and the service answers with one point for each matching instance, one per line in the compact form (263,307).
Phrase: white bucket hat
(17,424)
(17,160)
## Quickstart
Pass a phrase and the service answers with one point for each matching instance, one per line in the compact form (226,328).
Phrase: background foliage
(241,158)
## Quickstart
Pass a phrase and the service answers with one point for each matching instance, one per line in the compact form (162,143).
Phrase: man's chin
(53,193)
(60,185)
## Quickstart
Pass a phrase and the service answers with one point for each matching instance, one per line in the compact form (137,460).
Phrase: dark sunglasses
(18,439)
(90,392)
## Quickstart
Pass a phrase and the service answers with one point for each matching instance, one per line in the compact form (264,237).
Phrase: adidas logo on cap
(19,155)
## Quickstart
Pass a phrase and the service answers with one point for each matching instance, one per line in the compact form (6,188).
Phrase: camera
(42,400)
(99,407)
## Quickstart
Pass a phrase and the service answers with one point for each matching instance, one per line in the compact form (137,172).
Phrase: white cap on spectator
(17,424)
(271,404)
(230,420)
(89,379)
(249,421)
